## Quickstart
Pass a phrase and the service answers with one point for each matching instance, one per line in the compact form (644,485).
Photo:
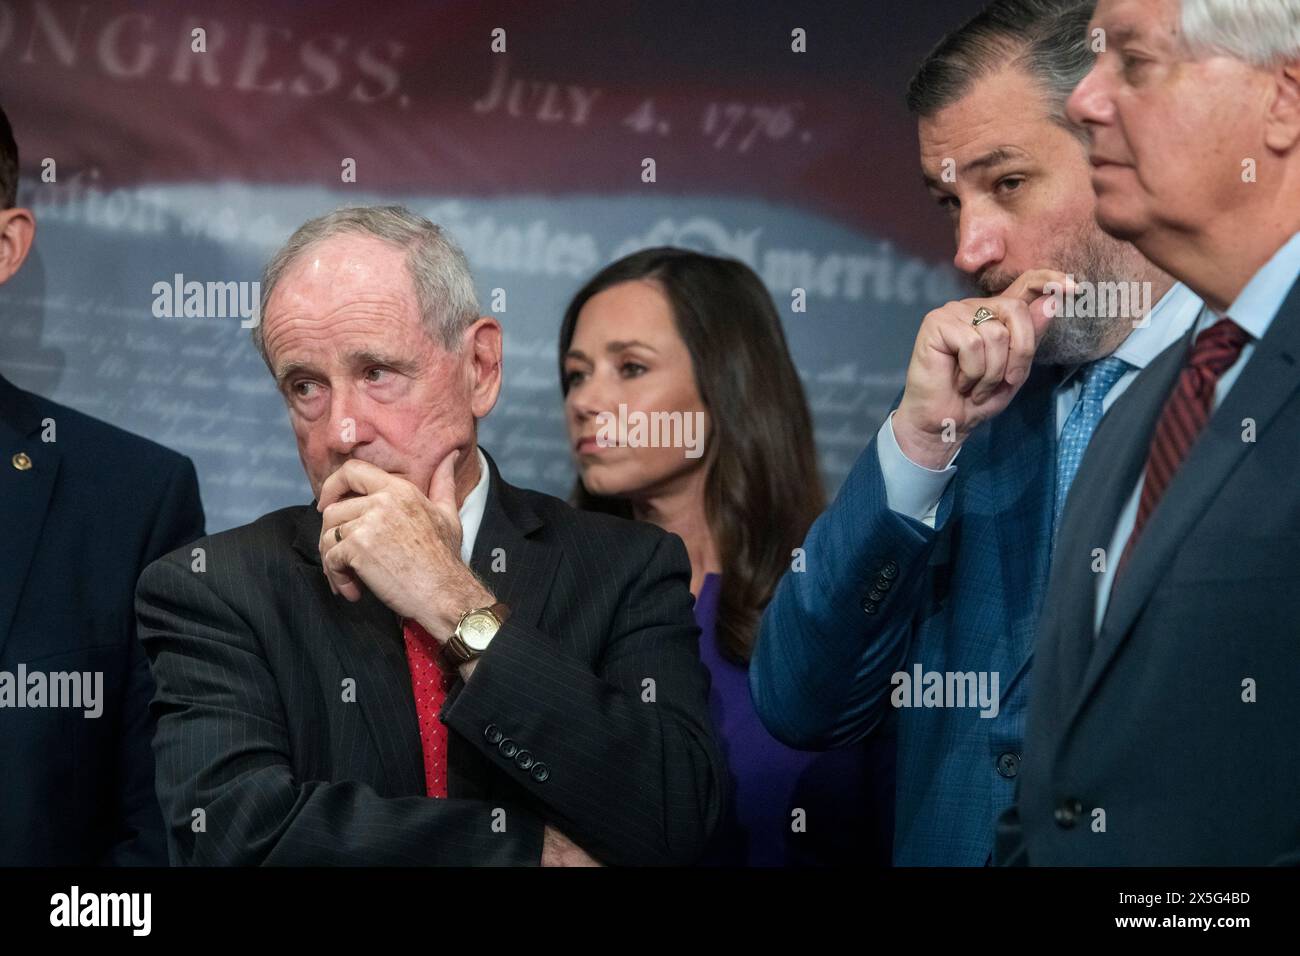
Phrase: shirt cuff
(911,489)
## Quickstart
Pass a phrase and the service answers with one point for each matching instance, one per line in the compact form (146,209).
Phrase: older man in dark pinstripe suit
(430,666)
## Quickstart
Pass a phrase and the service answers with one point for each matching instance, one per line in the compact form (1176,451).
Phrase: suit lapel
(1023,451)
(517,568)
(1266,383)
(1111,466)
(24,495)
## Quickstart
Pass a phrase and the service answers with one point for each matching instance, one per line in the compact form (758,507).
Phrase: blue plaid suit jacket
(962,597)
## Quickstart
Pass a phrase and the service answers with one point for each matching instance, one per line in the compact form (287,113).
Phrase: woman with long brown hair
(684,409)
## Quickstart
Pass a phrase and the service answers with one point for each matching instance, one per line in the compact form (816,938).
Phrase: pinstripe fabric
(251,657)
(965,598)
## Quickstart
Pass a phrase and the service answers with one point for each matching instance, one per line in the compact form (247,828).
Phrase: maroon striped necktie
(1184,416)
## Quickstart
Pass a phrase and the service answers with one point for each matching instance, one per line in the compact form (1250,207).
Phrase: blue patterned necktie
(1098,378)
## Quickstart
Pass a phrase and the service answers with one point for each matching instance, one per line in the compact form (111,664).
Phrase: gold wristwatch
(475,631)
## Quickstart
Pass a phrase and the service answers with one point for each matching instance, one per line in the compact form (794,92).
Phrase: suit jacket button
(541,772)
(1067,812)
(870,606)
(876,594)
(1009,764)
(889,570)
(524,760)
(508,748)
(493,734)
(883,583)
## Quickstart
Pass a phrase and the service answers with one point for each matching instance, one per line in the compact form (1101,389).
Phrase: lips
(586,445)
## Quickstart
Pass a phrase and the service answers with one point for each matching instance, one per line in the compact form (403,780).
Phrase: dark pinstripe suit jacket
(596,675)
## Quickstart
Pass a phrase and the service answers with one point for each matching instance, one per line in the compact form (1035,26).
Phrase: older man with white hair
(430,666)
(1163,719)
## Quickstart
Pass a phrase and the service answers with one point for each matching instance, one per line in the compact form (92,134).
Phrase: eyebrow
(990,160)
(289,369)
(629,344)
(611,347)
(1118,34)
(367,357)
(364,358)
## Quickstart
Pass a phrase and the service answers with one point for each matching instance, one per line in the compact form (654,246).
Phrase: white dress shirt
(471,512)
(1254,310)
(915,490)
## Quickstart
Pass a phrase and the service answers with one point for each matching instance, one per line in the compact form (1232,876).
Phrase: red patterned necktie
(422,653)
(1185,413)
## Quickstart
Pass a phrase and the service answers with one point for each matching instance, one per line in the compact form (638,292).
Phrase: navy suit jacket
(1144,749)
(95,507)
(883,593)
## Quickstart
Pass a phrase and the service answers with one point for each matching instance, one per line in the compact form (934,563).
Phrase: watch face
(477,630)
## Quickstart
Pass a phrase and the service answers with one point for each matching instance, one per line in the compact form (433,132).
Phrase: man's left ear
(17,227)
(482,342)
(1282,125)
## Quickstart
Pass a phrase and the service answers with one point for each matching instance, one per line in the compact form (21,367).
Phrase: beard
(1091,256)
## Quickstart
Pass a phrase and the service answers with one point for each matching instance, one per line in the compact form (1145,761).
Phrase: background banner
(151,164)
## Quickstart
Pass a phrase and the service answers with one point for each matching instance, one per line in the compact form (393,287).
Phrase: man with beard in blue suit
(924,578)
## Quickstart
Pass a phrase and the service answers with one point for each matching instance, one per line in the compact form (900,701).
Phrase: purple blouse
(846,795)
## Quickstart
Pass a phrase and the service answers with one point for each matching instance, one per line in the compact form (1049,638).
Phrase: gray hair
(444,288)
(1263,33)
(1048,39)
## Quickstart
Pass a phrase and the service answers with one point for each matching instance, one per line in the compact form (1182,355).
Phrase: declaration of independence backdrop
(145,159)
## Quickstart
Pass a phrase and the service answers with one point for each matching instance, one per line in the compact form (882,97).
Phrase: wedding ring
(982,315)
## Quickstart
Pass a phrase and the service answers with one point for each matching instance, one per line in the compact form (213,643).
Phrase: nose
(980,241)
(1089,104)
(589,398)
(347,426)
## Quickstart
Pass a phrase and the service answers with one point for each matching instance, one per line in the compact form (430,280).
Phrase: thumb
(442,490)
(1044,291)
(1032,285)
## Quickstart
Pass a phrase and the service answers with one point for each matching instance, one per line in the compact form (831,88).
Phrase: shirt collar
(1261,300)
(471,512)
